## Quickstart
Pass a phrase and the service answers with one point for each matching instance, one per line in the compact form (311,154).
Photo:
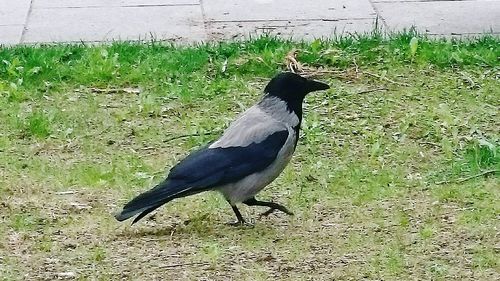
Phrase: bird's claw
(267,213)
(271,210)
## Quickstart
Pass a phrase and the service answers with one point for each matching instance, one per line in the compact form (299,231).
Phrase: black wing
(212,167)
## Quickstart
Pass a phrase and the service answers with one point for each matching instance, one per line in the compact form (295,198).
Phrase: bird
(250,154)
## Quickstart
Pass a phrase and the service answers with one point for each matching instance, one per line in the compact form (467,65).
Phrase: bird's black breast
(296,129)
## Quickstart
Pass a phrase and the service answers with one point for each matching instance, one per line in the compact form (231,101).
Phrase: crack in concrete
(117,6)
(206,24)
(25,28)
(379,16)
(17,24)
(423,1)
(290,20)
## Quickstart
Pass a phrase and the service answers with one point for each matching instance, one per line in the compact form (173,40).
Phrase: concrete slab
(379,1)
(13,12)
(109,3)
(176,23)
(10,34)
(182,20)
(253,10)
(307,30)
(442,17)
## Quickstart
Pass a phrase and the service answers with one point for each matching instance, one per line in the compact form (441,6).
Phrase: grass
(395,176)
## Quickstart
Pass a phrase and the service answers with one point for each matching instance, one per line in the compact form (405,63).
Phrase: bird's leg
(272,206)
(241,220)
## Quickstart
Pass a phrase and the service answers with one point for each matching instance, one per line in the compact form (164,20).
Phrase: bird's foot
(272,209)
(240,223)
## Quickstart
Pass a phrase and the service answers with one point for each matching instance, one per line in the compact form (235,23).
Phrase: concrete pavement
(34,21)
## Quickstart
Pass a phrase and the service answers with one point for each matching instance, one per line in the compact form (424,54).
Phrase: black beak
(313,85)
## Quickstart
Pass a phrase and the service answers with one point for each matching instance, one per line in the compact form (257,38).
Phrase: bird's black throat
(295,106)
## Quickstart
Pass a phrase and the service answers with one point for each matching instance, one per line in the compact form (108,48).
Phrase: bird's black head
(292,88)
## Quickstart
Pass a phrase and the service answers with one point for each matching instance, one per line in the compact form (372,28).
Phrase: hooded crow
(249,155)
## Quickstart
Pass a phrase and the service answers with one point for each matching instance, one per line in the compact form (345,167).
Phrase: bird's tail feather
(145,212)
(151,200)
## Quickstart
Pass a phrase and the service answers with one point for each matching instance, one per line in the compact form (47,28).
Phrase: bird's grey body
(253,126)
(250,154)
